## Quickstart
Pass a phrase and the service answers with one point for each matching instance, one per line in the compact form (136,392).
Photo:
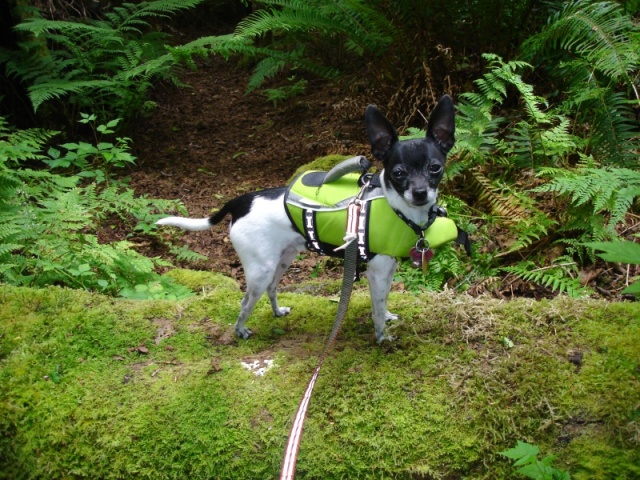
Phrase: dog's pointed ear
(381,133)
(442,124)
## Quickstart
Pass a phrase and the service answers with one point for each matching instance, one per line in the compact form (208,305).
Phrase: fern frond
(611,190)
(500,201)
(39,26)
(598,32)
(298,16)
(560,277)
(56,88)
(131,17)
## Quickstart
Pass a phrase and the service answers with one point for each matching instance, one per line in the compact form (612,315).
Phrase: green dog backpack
(318,210)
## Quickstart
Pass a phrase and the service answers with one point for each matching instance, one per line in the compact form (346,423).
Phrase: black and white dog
(266,242)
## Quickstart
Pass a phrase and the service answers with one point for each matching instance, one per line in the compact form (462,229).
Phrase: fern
(300,33)
(365,27)
(445,265)
(561,276)
(541,138)
(184,254)
(500,200)
(493,86)
(607,190)
(104,64)
(597,48)
(600,33)
(476,135)
(49,223)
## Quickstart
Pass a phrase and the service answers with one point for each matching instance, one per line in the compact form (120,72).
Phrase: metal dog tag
(420,255)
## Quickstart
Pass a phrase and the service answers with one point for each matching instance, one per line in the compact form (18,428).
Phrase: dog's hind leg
(272,291)
(258,278)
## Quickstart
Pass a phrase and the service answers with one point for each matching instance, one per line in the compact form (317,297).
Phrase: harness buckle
(365,180)
(353,216)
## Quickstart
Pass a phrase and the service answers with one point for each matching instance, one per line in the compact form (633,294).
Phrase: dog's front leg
(380,274)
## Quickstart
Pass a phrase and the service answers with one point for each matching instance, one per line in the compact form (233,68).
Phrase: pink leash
(350,261)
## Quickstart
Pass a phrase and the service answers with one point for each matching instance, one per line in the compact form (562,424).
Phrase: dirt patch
(164,330)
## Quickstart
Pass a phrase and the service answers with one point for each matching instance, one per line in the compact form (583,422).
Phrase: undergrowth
(50,217)
(511,165)
(105,65)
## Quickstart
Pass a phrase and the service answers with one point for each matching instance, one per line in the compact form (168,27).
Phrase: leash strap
(293,445)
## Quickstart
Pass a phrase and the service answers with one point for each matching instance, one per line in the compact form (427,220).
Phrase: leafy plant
(93,161)
(104,65)
(593,192)
(526,458)
(594,50)
(297,32)
(541,140)
(49,224)
(449,263)
(277,95)
(561,276)
(623,251)
(538,137)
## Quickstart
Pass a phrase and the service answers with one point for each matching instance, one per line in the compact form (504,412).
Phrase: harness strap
(437,211)
(311,231)
(419,229)
(464,240)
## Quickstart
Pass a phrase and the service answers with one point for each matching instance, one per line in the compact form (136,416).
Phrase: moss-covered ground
(97,387)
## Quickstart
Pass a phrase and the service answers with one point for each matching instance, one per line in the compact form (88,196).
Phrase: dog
(266,241)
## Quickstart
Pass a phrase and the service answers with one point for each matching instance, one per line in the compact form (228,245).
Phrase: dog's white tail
(186,223)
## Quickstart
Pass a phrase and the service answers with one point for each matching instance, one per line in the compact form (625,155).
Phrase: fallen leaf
(215,366)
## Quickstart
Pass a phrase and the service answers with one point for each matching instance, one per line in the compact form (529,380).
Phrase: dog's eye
(435,169)
(400,175)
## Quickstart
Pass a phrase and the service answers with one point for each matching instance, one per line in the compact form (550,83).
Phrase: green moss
(96,387)
(594,454)
(322,163)
(200,281)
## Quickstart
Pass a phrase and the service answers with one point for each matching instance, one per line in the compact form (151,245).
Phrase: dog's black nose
(420,194)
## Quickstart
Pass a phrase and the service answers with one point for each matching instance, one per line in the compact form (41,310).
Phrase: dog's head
(413,168)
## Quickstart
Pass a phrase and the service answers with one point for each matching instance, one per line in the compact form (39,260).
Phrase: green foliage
(493,87)
(93,161)
(277,95)
(623,251)
(541,137)
(544,141)
(447,263)
(297,31)
(592,192)
(49,222)
(561,276)
(594,50)
(105,65)
(526,457)
(391,43)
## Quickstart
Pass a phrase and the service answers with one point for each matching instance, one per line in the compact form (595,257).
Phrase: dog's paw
(390,317)
(282,311)
(243,332)
(385,338)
